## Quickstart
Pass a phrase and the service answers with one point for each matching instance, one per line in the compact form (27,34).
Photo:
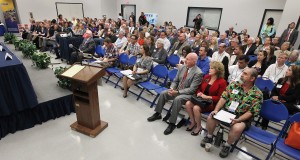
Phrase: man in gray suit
(87,47)
(289,35)
(185,84)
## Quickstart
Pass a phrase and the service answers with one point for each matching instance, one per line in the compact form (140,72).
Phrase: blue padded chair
(173,60)
(161,72)
(171,76)
(123,59)
(270,110)
(100,51)
(263,83)
(119,75)
(252,58)
(279,144)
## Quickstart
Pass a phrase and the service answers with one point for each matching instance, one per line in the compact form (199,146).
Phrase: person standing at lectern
(87,47)
(184,85)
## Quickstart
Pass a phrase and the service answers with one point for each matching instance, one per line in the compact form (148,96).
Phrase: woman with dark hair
(150,42)
(287,91)
(257,41)
(210,89)
(271,58)
(261,63)
(140,70)
(268,30)
(198,22)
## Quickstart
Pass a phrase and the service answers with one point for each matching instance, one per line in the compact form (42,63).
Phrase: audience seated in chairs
(203,60)
(159,54)
(242,98)
(51,39)
(151,43)
(271,58)
(261,63)
(293,59)
(236,71)
(287,91)
(223,57)
(249,48)
(111,54)
(184,85)
(237,53)
(177,47)
(277,70)
(133,47)
(211,88)
(121,40)
(140,70)
(87,47)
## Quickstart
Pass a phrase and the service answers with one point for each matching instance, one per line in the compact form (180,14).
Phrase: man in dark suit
(249,48)
(289,35)
(230,31)
(87,47)
(185,84)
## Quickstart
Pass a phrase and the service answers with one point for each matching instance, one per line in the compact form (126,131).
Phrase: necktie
(184,78)
(288,35)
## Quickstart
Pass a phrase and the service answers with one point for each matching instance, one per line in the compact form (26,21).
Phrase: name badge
(175,52)
(278,86)
(235,91)
(233,106)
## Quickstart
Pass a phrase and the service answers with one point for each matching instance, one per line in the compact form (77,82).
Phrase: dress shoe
(154,117)
(196,133)
(57,57)
(190,129)
(170,129)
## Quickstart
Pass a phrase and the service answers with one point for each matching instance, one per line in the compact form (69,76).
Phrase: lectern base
(87,131)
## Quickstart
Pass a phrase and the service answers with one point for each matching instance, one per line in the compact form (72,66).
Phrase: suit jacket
(88,46)
(215,90)
(179,51)
(191,82)
(230,34)
(291,95)
(250,51)
(292,39)
(159,57)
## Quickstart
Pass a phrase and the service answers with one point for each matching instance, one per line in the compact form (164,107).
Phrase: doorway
(127,9)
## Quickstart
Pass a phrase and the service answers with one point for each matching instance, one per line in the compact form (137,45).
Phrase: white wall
(290,14)
(46,9)
(237,13)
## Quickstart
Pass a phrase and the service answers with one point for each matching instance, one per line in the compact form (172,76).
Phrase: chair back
(263,83)
(132,60)
(252,58)
(274,111)
(172,74)
(173,60)
(160,71)
(100,51)
(124,59)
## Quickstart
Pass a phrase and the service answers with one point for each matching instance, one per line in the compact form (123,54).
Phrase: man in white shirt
(236,71)
(238,51)
(121,40)
(167,44)
(277,70)
(222,56)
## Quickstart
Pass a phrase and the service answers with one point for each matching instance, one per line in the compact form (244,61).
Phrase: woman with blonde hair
(213,44)
(210,90)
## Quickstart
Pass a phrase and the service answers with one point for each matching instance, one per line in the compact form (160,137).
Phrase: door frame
(122,10)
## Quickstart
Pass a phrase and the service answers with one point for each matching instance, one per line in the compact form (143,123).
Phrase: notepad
(224,116)
(127,73)
(73,70)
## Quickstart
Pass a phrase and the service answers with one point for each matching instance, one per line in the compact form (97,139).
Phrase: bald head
(191,60)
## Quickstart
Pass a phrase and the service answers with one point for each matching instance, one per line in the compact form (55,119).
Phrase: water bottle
(219,138)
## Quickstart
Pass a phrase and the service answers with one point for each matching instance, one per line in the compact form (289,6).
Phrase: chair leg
(139,96)
(234,145)
(107,79)
(153,102)
(117,82)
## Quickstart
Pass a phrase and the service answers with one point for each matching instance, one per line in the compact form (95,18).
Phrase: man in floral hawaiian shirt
(243,99)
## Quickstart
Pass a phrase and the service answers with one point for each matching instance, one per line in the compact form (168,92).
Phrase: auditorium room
(149,79)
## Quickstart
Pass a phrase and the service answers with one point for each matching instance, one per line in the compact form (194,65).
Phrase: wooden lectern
(84,87)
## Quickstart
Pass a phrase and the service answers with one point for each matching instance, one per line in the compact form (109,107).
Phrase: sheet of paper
(1,48)
(127,73)
(73,70)
(224,116)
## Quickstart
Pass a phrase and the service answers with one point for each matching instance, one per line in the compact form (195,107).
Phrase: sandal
(196,133)
(190,129)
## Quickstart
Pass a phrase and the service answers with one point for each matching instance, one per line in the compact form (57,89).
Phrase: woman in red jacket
(211,88)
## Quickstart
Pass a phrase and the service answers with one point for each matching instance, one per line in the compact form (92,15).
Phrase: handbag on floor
(203,103)
(292,139)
